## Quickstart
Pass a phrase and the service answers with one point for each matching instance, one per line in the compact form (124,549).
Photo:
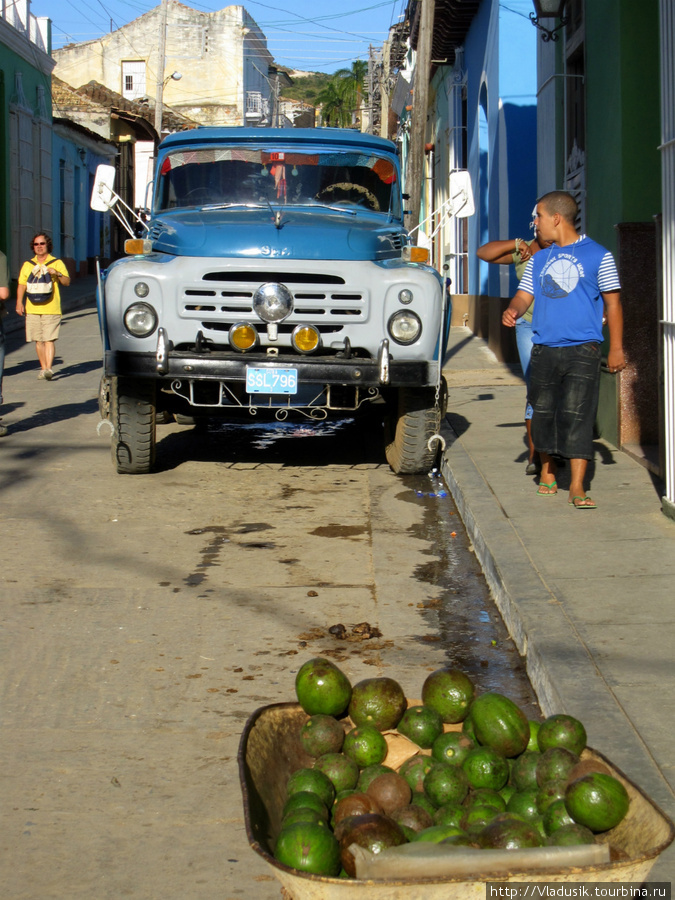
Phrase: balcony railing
(17,14)
(254,105)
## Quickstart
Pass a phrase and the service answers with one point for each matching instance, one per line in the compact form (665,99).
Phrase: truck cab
(274,278)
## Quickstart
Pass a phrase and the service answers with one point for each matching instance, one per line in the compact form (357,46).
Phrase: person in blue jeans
(575,287)
(4,295)
(516,252)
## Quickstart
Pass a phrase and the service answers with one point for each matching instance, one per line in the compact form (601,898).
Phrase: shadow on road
(343,442)
(55,414)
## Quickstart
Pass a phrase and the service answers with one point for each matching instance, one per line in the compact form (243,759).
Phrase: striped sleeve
(608,277)
(526,283)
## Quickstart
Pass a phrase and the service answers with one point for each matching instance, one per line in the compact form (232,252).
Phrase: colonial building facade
(214,69)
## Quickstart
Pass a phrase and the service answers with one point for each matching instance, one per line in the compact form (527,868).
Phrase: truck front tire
(415,418)
(133,415)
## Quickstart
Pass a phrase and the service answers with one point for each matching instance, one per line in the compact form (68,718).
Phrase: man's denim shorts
(564,386)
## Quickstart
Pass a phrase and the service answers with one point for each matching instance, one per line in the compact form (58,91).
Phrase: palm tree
(354,79)
(336,108)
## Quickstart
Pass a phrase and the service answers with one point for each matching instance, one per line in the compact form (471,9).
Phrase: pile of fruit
(500,782)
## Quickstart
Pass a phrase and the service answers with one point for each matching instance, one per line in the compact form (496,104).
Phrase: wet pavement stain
(209,553)
(288,491)
(195,578)
(343,531)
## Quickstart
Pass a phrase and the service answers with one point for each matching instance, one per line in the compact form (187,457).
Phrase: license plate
(271,381)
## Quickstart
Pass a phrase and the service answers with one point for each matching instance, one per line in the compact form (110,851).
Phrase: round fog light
(405,296)
(141,290)
(273,302)
(405,327)
(140,319)
(305,339)
(243,336)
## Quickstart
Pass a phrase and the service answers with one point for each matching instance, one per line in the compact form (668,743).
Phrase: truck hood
(303,233)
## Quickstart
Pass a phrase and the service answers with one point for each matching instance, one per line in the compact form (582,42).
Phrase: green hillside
(306,88)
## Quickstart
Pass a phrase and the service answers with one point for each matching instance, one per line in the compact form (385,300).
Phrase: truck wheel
(416,418)
(132,412)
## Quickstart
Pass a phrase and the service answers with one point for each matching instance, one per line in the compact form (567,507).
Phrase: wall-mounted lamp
(549,9)
(82,153)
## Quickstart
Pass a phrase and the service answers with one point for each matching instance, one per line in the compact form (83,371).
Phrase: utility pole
(415,172)
(159,98)
(385,89)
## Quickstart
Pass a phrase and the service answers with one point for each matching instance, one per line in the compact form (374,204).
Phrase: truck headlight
(140,319)
(272,302)
(243,336)
(306,338)
(405,327)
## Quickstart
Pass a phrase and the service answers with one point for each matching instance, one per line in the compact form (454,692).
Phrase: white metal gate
(668,193)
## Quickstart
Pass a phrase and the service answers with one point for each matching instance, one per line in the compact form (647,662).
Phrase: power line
(286,50)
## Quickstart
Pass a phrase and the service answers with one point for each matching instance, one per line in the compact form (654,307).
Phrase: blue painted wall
(500,61)
(87,228)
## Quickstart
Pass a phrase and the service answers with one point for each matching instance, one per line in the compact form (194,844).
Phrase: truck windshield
(241,176)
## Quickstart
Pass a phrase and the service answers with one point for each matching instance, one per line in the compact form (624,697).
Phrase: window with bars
(133,79)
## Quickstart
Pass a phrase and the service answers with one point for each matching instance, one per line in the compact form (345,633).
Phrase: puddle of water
(465,618)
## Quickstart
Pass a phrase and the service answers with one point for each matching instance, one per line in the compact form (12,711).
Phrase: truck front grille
(227,298)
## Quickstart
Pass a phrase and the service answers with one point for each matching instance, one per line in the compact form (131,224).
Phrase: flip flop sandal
(589,505)
(548,493)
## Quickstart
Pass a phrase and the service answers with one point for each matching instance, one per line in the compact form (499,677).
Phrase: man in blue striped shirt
(575,284)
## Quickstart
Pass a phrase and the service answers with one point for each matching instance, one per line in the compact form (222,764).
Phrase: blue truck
(272,276)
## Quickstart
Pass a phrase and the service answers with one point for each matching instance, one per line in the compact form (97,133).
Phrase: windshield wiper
(349,212)
(232,206)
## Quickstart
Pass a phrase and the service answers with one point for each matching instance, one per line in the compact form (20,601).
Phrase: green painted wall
(623,165)
(32,77)
(622,115)
(4,173)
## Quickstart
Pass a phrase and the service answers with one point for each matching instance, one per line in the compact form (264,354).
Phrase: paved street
(145,618)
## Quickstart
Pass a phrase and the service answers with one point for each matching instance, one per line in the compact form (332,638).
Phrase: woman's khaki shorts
(42,327)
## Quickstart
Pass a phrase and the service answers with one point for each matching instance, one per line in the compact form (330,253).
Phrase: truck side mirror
(461,203)
(103,196)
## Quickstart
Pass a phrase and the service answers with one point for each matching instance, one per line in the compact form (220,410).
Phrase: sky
(301,34)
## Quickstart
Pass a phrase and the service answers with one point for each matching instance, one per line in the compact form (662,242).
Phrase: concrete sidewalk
(587,595)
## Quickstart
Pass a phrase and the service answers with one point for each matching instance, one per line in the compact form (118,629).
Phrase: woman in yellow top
(43,320)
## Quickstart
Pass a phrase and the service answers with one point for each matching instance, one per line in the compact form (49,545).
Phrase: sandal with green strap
(548,492)
(586,503)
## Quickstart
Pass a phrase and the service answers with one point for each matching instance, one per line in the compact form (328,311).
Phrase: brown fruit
(412,816)
(356,805)
(375,833)
(391,791)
